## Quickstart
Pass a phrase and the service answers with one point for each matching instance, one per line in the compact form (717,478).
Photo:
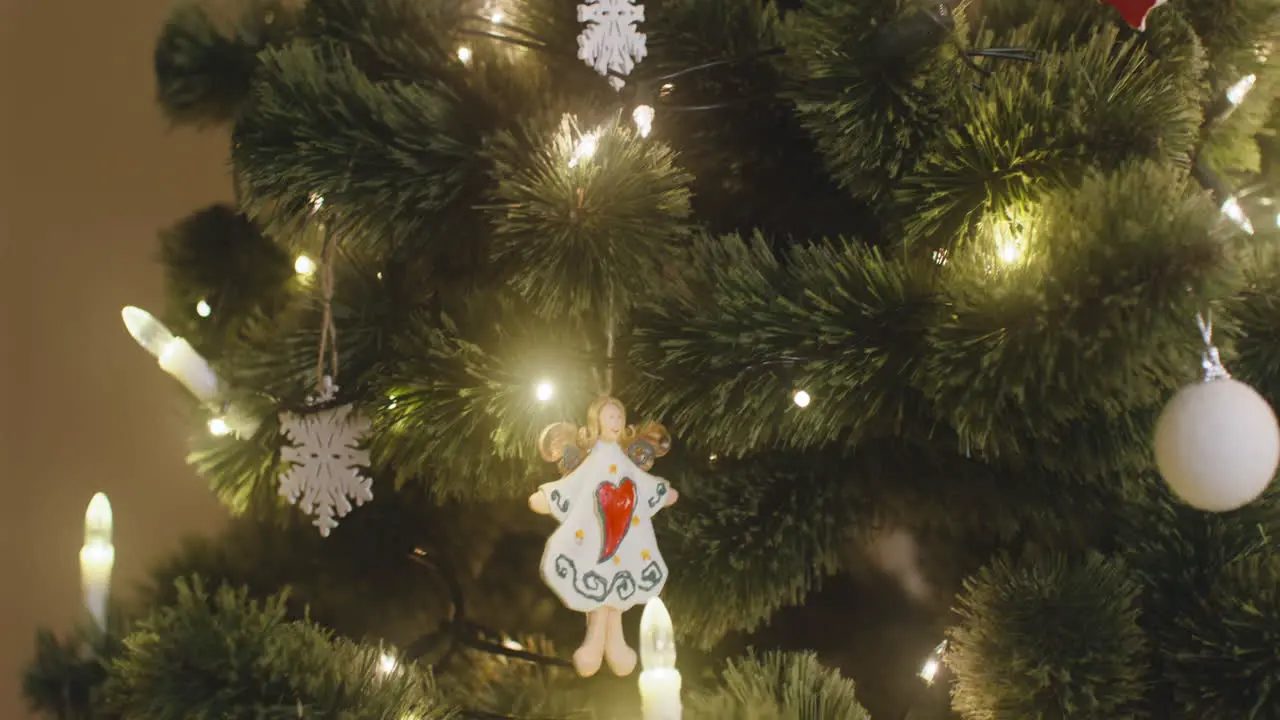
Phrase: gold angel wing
(558,444)
(650,442)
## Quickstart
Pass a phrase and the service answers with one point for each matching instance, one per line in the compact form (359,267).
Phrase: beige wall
(90,173)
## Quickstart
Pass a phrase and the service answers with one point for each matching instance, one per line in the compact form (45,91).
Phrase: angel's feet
(622,659)
(588,658)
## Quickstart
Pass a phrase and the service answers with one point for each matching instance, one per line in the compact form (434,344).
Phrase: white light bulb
(98,519)
(496,17)
(511,644)
(203,309)
(1240,90)
(174,354)
(643,117)
(218,427)
(585,149)
(801,399)
(929,670)
(317,201)
(657,637)
(97,558)
(464,54)
(304,266)
(387,664)
(1231,208)
(149,332)
(544,391)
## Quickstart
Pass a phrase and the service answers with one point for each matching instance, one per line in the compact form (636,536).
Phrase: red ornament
(1135,12)
(617,503)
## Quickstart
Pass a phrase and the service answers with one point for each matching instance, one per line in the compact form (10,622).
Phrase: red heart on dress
(1135,12)
(616,505)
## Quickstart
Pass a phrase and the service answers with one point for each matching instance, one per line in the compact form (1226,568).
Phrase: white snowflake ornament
(325,461)
(610,41)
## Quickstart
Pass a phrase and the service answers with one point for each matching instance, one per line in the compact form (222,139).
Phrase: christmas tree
(898,279)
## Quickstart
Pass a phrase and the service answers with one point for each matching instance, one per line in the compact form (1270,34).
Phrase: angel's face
(611,422)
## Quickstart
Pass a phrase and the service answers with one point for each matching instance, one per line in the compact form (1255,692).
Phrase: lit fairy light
(1240,90)
(801,399)
(544,391)
(940,256)
(387,663)
(585,150)
(1231,208)
(929,670)
(304,266)
(496,17)
(643,117)
(464,54)
(203,309)
(218,427)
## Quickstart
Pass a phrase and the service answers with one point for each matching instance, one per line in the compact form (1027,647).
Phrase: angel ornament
(603,558)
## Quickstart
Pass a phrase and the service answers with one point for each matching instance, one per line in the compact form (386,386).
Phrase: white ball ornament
(1218,444)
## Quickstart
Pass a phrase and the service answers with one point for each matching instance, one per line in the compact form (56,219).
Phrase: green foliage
(1225,654)
(224,655)
(388,155)
(64,679)
(747,328)
(1181,557)
(204,62)
(748,538)
(218,256)
(1099,103)
(778,686)
(1055,638)
(579,232)
(1117,268)
(872,82)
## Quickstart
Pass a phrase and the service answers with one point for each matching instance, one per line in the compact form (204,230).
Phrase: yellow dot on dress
(617,560)
(578,535)
(644,555)
(613,468)
(635,521)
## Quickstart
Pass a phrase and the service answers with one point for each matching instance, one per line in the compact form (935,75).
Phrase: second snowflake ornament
(603,559)
(326,462)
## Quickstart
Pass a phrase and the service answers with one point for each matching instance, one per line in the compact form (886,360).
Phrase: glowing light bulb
(1231,208)
(175,355)
(304,266)
(643,117)
(203,309)
(464,54)
(585,149)
(929,670)
(97,558)
(218,427)
(1238,92)
(801,399)
(544,391)
(387,664)
(496,17)
(511,644)
(317,201)
(660,681)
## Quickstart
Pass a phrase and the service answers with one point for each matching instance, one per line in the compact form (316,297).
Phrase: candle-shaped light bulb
(660,681)
(176,356)
(149,332)
(97,559)
(657,637)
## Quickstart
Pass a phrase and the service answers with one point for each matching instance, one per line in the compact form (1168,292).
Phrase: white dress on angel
(605,553)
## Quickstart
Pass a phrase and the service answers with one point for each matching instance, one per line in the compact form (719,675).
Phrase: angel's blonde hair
(558,436)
